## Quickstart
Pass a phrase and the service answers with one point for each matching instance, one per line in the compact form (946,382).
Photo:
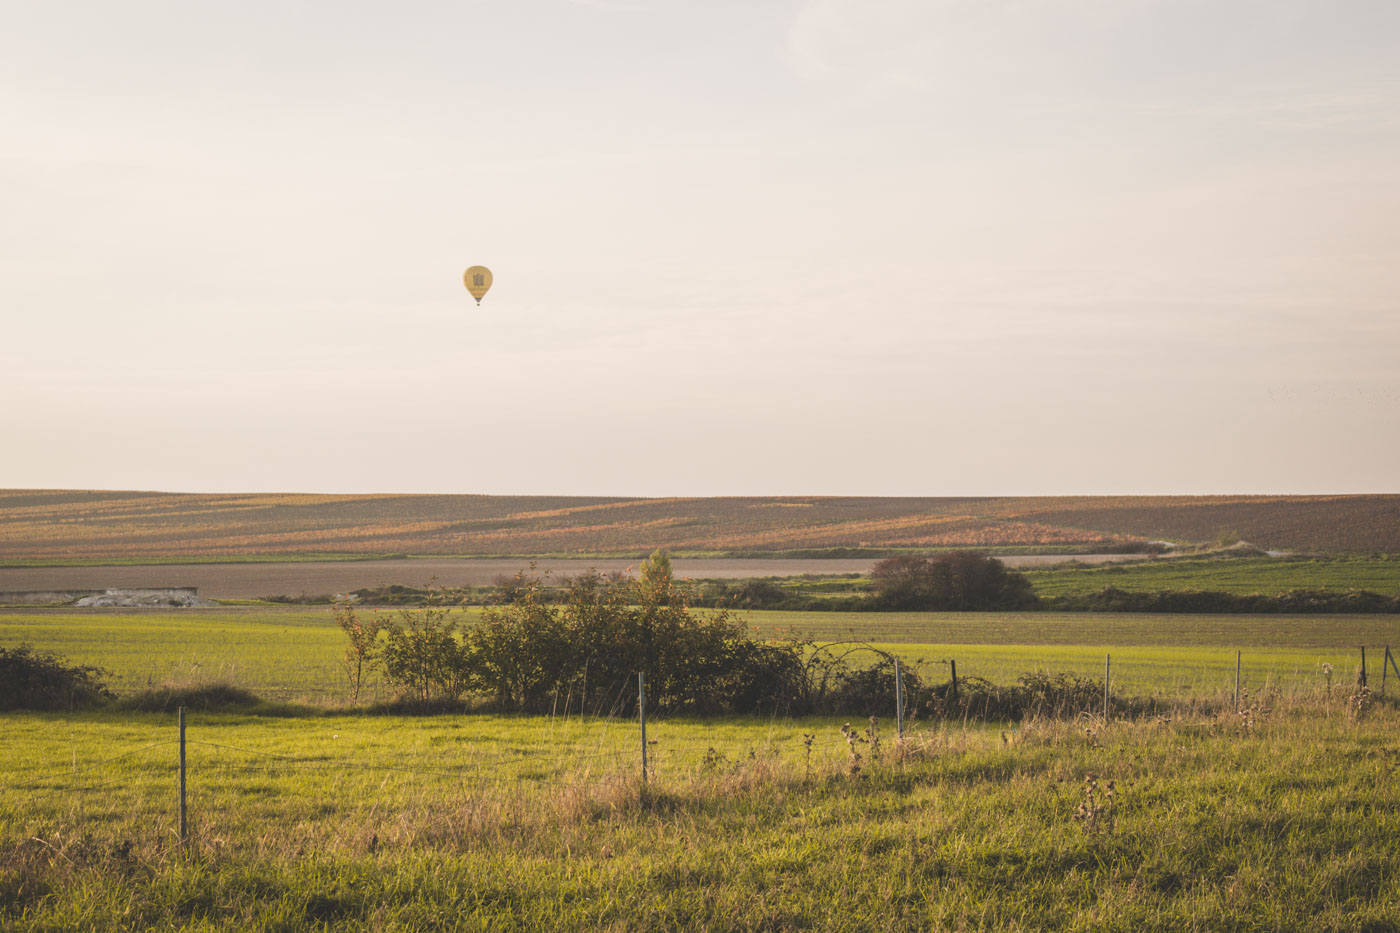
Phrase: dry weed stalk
(1360,702)
(853,738)
(1250,713)
(1096,809)
(872,737)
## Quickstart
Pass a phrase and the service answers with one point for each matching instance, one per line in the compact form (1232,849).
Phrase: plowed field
(87,526)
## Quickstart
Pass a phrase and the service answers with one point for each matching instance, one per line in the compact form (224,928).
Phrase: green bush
(1038,694)
(1058,695)
(422,654)
(586,650)
(956,581)
(870,691)
(582,651)
(47,682)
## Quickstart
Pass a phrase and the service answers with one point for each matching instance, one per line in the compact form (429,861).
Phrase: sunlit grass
(1284,818)
(1245,576)
(294,654)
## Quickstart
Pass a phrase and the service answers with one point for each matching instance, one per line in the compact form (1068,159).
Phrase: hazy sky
(812,246)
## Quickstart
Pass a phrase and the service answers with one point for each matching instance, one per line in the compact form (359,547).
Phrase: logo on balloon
(478,281)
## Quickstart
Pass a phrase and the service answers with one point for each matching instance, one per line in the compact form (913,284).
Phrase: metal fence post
(954,666)
(1237,681)
(1106,669)
(642,715)
(899,698)
(1361,681)
(182,774)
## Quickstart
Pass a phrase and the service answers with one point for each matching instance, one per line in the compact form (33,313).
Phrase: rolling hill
(73,525)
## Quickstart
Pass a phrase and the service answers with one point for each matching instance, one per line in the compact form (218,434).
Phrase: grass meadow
(1245,576)
(294,654)
(1282,816)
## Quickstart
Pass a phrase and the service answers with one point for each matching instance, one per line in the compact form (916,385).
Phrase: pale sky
(916,247)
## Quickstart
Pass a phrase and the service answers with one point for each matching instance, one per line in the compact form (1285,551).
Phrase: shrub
(47,682)
(203,697)
(768,677)
(1043,694)
(422,655)
(1057,695)
(958,580)
(530,655)
(764,594)
(870,691)
(585,652)
(520,653)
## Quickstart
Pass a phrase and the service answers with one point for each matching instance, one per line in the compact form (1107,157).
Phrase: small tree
(656,580)
(363,651)
(656,593)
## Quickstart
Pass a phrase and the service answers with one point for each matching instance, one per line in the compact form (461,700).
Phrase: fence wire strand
(618,759)
(350,764)
(55,775)
(477,780)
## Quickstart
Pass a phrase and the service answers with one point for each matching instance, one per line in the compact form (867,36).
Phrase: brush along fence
(580,766)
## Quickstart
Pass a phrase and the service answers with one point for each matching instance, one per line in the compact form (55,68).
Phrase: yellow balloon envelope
(478,280)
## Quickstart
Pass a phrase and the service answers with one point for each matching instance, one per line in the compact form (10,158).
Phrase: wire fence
(587,764)
(151,784)
(567,766)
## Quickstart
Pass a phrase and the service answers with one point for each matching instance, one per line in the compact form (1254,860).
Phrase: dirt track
(234,581)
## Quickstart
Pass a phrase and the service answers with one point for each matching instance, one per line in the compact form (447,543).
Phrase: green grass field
(282,654)
(293,654)
(1243,575)
(1282,819)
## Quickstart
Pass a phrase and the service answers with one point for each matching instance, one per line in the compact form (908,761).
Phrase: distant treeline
(1305,602)
(761,594)
(765,595)
(953,581)
(957,581)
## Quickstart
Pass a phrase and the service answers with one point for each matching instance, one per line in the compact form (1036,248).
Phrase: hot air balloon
(478,280)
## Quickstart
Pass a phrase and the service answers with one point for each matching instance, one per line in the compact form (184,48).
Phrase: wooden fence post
(1107,659)
(954,665)
(899,698)
(1361,678)
(182,774)
(1237,681)
(642,715)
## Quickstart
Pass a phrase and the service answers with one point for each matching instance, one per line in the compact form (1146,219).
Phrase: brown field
(37,525)
(1323,523)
